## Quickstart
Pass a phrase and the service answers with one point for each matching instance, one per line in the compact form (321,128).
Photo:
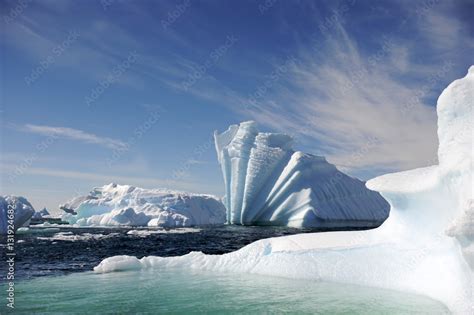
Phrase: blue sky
(94,92)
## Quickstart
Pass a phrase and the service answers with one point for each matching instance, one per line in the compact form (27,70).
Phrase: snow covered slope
(127,205)
(22,209)
(422,248)
(267,183)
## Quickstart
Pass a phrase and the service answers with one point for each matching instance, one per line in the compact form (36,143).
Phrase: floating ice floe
(123,205)
(145,233)
(422,248)
(71,237)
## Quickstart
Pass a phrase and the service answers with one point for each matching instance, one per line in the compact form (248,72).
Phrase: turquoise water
(185,292)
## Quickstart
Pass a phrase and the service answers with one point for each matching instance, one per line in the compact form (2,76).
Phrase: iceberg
(44,213)
(16,210)
(267,183)
(421,248)
(123,205)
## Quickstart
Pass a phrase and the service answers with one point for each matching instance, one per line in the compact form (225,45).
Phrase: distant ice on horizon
(124,205)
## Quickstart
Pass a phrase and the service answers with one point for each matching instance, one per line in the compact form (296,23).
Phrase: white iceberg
(267,183)
(14,211)
(411,252)
(44,213)
(123,205)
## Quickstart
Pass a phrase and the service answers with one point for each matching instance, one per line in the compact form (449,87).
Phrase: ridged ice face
(267,183)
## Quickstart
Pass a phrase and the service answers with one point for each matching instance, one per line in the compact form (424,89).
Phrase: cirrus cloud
(73,134)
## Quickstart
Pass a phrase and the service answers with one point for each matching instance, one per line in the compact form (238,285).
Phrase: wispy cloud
(364,110)
(73,134)
(349,106)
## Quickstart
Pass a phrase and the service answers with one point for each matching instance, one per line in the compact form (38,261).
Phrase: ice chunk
(119,263)
(145,233)
(114,204)
(419,249)
(267,183)
(71,237)
(17,210)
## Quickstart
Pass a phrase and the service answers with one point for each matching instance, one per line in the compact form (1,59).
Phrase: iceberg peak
(268,183)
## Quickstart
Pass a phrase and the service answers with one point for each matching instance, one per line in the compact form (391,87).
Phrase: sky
(94,92)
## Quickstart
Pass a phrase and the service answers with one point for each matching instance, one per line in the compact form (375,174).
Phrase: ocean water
(60,251)
(53,276)
(187,292)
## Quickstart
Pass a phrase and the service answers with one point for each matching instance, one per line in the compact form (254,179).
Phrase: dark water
(46,252)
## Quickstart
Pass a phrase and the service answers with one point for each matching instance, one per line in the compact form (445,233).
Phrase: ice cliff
(423,247)
(127,205)
(20,212)
(267,183)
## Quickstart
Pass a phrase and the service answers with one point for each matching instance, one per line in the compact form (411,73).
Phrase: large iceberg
(267,183)
(422,248)
(114,205)
(16,210)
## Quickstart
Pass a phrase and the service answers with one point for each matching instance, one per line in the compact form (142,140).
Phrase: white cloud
(74,134)
(354,108)
(443,32)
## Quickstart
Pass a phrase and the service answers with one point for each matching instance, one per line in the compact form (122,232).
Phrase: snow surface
(267,183)
(123,205)
(410,252)
(23,212)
